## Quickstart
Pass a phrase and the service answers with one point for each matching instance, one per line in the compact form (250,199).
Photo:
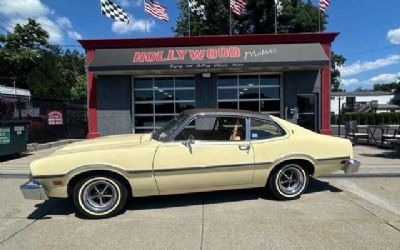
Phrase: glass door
(306,105)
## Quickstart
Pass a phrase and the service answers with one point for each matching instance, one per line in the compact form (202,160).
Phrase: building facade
(137,85)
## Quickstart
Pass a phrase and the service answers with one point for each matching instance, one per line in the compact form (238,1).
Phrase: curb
(14,173)
(31,147)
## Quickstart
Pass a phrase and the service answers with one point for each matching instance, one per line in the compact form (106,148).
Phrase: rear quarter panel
(326,153)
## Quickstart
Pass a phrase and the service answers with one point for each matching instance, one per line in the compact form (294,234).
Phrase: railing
(363,107)
(48,119)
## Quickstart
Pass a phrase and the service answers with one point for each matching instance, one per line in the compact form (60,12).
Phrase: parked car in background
(200,150)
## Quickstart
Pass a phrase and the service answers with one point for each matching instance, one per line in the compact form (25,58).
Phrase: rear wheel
(288,182)
(99,196)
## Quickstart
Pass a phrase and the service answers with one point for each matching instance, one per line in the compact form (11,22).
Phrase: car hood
(106,142)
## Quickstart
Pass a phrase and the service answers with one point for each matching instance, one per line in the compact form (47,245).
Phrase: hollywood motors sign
(186,55)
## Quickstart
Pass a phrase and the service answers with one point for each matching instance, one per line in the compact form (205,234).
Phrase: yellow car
(200,150)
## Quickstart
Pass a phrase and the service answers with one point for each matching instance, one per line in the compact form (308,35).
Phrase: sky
(369,30)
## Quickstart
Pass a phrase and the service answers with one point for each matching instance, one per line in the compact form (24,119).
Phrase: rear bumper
(32,190)
(351,166)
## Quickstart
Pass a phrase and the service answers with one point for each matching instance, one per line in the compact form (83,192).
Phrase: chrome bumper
(32,190)
(351,166)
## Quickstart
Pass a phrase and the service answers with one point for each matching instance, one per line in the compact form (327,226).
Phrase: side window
(263,129)
(214,128)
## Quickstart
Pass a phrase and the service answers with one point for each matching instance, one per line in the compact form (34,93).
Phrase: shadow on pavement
(388,155)
(52,207)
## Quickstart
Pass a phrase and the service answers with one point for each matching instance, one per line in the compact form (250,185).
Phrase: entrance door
(209,153)
(304,113)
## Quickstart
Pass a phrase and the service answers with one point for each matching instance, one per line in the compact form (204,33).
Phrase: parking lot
(337,212)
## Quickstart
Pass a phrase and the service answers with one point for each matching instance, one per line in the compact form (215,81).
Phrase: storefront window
(250,92)
(158,100)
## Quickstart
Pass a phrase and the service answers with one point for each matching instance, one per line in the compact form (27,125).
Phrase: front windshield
(165,131)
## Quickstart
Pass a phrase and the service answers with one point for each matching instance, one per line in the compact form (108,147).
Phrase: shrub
(369,118)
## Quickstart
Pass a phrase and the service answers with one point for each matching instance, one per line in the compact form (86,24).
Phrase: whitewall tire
(99,196)
(288,181)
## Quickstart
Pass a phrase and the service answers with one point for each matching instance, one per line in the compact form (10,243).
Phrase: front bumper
(351,166)
(32,190)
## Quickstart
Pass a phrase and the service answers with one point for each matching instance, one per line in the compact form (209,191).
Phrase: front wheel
(99,196)
(288,182)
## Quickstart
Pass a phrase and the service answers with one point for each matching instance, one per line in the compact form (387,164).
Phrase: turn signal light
(57,182)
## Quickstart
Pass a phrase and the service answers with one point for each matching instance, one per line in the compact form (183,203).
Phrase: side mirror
(188,143)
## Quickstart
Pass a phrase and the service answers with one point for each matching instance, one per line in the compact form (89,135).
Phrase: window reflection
(166,95)
(253,92)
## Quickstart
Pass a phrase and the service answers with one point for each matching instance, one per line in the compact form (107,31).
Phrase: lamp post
(340,114)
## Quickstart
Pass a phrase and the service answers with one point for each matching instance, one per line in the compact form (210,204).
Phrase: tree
(20,50)
(46,70)
(390,87)
(361,89)
(296,16)
(396,99)
(337,61)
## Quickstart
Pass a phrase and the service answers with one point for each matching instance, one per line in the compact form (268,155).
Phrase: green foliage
(337,61)
(369,118)
(46,70)
(296,16)
(389,87)
(334,119)
(396,99)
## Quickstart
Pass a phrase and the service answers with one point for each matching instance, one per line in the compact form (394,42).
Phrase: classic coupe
(200,150)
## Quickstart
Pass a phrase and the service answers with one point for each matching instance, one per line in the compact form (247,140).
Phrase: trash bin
(13,137)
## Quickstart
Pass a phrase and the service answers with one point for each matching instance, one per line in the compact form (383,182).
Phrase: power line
(373,50)
(6,30)
(8,24)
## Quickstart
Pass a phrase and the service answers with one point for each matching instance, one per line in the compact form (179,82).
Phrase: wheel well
(77,178)
(308,166)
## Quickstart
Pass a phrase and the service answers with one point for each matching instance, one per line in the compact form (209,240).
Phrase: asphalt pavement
(336,212)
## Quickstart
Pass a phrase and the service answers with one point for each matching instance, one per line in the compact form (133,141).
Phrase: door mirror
(188,143)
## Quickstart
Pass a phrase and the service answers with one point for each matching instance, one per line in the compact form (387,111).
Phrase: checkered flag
(113,11)
(198,9)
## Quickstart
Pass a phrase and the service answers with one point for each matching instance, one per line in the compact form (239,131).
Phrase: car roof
(229,112)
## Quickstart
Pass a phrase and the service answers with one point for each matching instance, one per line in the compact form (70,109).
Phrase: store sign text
(186,54)
(55,117)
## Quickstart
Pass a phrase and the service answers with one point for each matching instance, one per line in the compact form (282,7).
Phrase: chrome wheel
(291,179)
(99,196)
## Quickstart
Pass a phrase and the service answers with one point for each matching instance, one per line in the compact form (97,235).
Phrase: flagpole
(230,21)
(189,20)
(145,19)
(319,20)
(276,19)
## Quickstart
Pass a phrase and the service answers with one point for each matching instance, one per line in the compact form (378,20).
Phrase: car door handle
(244,147)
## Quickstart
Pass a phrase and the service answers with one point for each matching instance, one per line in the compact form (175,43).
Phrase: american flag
(323,4)
(152,7)
(238,6)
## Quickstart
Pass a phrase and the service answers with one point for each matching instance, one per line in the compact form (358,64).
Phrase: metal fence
(48,119)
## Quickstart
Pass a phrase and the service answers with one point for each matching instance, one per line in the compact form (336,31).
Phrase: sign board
(4,135)
(55,117)
(19,129)
(209,57)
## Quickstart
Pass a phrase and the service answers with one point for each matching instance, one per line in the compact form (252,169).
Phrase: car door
(269,142)
(209,153)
